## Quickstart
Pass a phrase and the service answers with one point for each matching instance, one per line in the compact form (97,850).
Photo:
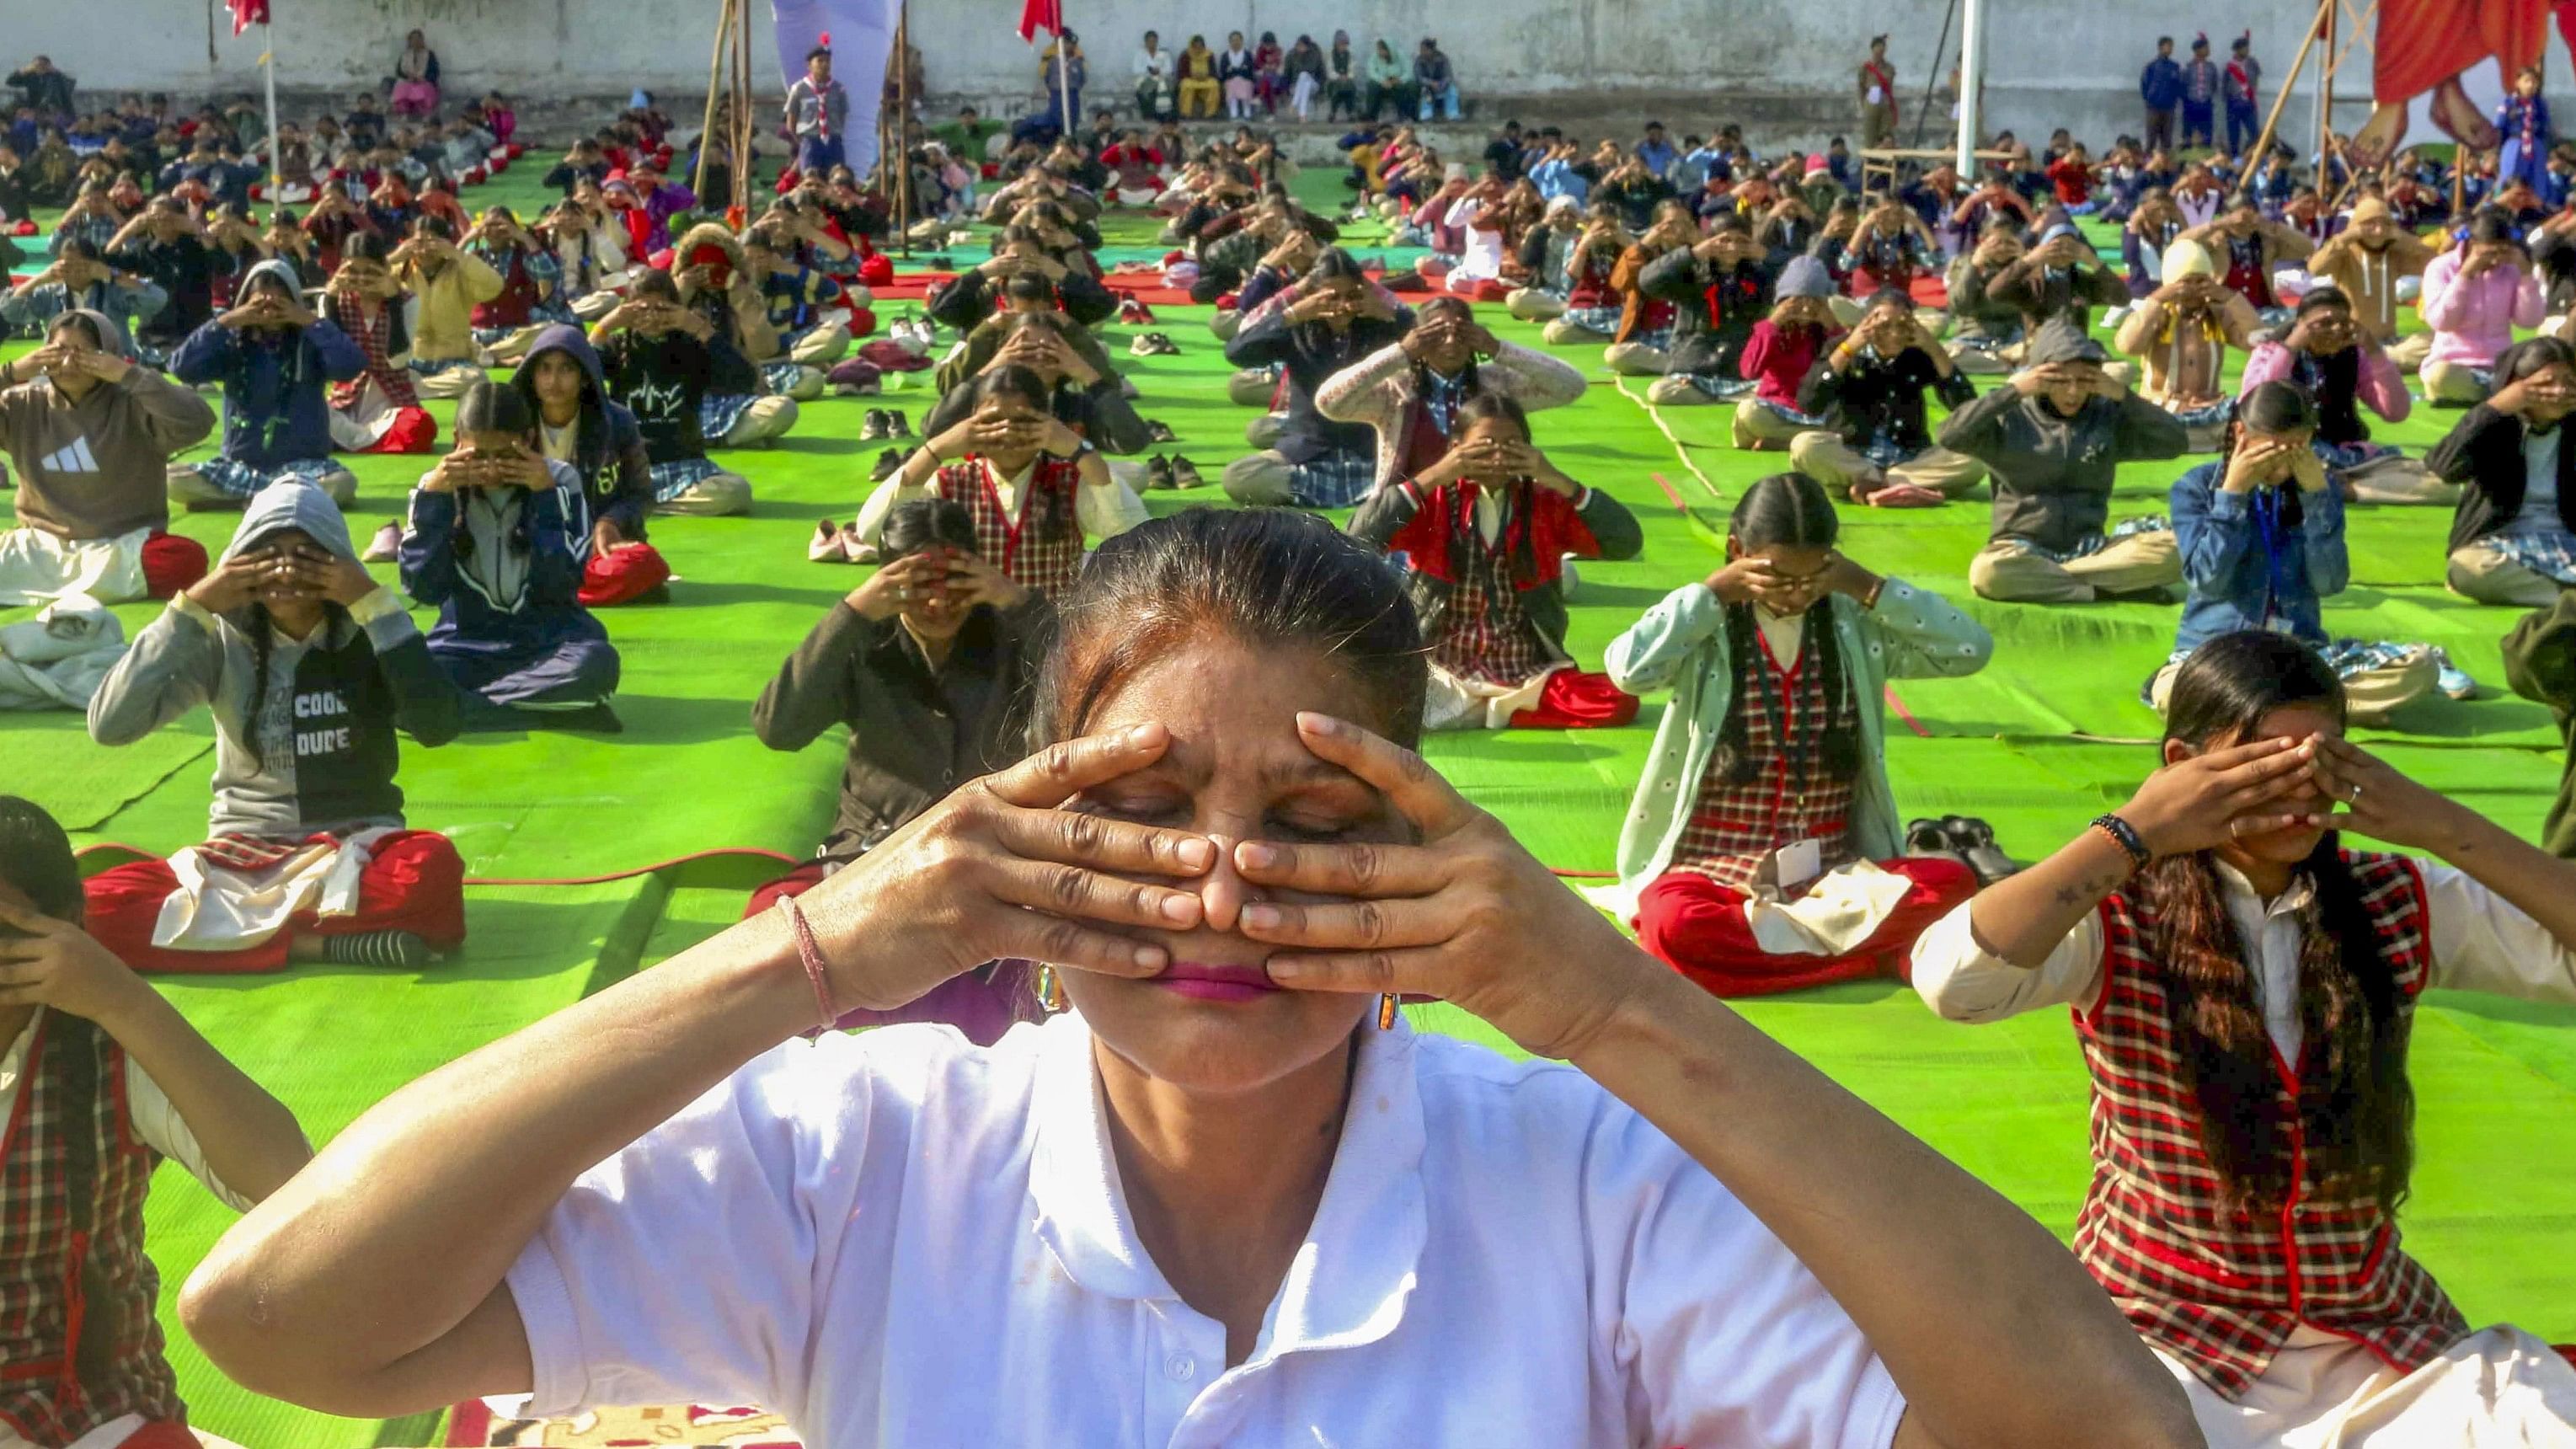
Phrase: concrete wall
(1782,67)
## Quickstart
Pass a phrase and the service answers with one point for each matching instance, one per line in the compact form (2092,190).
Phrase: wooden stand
(729,92)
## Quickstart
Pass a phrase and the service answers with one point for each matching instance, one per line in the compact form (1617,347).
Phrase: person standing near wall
(1877,97)
(2160,86)
(2243,80)
(818,112)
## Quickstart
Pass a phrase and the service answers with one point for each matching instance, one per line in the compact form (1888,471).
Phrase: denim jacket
(2249,567)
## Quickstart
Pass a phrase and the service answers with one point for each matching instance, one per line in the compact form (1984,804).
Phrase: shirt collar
(2240,891)
(1348,1283)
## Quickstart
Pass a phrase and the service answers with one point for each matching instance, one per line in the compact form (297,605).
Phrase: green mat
(2491,1213)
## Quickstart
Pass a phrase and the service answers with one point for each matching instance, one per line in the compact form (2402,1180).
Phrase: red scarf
(1886,85)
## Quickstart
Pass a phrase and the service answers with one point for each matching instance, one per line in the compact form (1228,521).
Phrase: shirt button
(1181,1367)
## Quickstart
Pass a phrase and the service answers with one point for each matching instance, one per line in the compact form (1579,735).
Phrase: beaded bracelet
(2125,836)
(812,957)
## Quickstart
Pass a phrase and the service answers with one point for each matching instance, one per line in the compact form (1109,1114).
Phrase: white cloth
(926,1243)
(1832,917)
(2480,941)
(36,566)
(1483,258)
(1154,64)
(2499,1388)
(57,659)
(156,1124)
(218,909)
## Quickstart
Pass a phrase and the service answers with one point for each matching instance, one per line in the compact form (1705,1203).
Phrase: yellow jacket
(443,330)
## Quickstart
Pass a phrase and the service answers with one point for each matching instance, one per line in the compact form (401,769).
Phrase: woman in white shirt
(1226,1199)
(2243,987)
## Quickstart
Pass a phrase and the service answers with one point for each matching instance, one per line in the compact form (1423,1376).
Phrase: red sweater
(1779,361)
(2074,182)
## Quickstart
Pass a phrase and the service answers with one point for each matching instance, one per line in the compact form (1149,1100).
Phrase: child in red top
(1781,352)
(2072,175)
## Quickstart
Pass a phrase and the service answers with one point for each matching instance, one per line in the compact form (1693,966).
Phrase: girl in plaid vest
(99,1081)
(1032,486)
(1747,859)
(1484,533)
(2243,985)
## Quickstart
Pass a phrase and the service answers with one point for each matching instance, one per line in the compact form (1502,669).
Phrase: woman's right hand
(1742,581)
(999,870)
(884,593)
(2257,461)
(2210,799)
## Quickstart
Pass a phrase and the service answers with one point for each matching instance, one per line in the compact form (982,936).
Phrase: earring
(1050,989)
(1386,1011)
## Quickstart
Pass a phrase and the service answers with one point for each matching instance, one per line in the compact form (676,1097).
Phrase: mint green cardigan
(1912,634)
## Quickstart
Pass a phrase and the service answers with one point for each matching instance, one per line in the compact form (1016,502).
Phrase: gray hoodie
(98,468)
(304,729)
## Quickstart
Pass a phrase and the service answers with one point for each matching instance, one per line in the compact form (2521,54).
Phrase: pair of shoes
(385,547)
(833,543)
(1154,344)
(1172,471)
(1963,838)
(1158,431)
(888,463)
(884,423)
(2454,682)
(1133,311)
(914,335)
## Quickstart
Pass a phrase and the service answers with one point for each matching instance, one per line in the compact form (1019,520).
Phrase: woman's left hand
(1466,916)
(2373,798)
(57,964)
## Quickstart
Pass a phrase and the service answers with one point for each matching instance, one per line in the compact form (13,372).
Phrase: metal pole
(715,70)
(268,63)
(1063,81)
(1972,74)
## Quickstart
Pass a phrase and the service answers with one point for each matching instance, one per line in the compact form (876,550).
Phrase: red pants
(622,574)
(413,430)
(171,563)
(413,882)
(1574,700)
(1697,927)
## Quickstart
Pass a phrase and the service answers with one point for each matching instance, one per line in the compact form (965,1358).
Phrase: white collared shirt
(156,1123)
(2480,942)
(899,1238)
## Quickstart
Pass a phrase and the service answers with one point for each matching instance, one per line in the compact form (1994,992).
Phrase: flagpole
(268,63)
(1063,80)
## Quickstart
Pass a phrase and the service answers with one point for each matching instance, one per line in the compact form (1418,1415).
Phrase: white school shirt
(1105,510)
(2480,942)
(900,1238)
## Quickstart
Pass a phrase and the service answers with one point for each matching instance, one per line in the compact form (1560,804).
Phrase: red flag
(1035,15)
(247,13)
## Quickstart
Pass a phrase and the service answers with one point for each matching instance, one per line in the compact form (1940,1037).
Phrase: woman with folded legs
(2243,982)
(1762,852)
(2513,536)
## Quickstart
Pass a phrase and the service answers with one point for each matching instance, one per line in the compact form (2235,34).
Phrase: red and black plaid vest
(376,340)
(1041,549)
(2220,1289)
(1487,635)
(72,1269)
(1792,795)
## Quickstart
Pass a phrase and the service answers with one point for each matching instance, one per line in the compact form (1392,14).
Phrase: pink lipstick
(1205,981)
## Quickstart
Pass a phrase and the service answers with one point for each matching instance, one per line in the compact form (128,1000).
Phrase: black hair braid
(262,640)
(1734,758)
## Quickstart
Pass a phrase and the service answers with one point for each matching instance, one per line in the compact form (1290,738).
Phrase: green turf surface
(2491,1213)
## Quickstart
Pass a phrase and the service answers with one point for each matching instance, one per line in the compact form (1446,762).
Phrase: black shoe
(1929,840)
(1974,840)
(1158,472)
(1185,474)
(598,719)
(1158,431)
(897,426)
(873,425)
(888,464)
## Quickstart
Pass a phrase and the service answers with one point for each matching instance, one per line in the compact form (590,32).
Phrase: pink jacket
(2473,319)
(2381,388)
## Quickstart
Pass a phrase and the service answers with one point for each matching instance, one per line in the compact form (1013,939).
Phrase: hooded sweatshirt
(2053,473)
(663,379)
(97,468)
(604,446)
(304,740)
(276,408)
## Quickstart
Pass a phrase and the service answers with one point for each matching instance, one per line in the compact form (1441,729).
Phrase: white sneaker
(385,547)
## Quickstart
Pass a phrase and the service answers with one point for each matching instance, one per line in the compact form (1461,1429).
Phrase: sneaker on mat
(2454,682)
(825,546)
(385,547)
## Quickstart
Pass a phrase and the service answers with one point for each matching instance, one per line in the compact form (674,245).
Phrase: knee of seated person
(340,485)
(1804,449)
(1256,478)
(774,416)
(721,494)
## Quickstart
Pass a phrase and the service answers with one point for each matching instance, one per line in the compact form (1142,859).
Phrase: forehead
(1232,708)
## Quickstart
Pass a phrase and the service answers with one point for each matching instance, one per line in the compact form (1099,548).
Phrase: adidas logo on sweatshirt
(72,457)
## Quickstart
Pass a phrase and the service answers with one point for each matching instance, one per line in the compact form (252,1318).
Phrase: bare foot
(2459,117)
(2378,138)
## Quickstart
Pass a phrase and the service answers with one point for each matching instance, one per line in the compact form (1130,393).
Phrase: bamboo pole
(2326,17)
(715,69)
(901,192)
(742,158)
(2272,122)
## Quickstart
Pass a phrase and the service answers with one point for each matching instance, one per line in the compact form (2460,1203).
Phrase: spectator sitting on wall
(1434,82)
(46,90)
